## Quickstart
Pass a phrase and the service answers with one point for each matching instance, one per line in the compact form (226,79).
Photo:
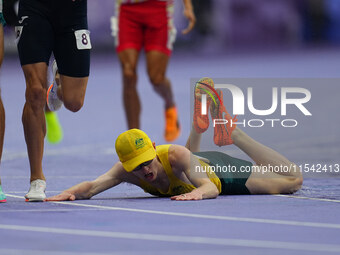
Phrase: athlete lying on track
(184,173)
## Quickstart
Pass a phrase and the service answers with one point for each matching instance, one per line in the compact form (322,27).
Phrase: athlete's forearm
(206,191)
(81,190)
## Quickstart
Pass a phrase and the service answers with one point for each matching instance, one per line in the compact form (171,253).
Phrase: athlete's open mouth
(148,176)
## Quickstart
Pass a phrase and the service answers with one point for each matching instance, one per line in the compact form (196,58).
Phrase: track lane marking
(311,198)
(212,217)
(51,210)
(180,239)
(50,252)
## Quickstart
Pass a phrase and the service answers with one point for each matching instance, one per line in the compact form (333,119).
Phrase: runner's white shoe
(53,101)
(36,192)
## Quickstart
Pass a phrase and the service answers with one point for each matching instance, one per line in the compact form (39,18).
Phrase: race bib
(83,39)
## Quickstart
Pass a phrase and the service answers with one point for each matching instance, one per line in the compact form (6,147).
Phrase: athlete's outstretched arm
(183,160)
(88,189)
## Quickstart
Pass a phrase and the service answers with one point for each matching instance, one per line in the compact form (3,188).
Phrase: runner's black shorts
(58,26)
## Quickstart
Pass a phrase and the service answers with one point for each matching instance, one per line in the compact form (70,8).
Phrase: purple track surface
(125,220)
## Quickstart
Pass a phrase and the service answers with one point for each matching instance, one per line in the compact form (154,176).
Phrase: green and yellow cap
(133,148)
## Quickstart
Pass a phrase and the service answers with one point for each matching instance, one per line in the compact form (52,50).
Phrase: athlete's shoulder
(178,154)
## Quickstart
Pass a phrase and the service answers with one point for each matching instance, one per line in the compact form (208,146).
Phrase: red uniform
(147,24)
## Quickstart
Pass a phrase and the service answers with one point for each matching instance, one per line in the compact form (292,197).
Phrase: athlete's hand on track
(64,196)
(188,196)
(189,14)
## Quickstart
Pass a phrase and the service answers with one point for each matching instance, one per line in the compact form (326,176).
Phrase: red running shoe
(201,122)
(222,131)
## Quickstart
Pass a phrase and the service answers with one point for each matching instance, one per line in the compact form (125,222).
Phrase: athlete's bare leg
(2,132)
(157,63)
(194,140)
(128,60)
(262,180)
(2,127)
(2,110)
(33,117)
(72,92)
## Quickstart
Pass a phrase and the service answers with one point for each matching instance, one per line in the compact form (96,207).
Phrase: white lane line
(120,252)
(44,252)
(212,217)
(180,239)
(50,210)
(311,198)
